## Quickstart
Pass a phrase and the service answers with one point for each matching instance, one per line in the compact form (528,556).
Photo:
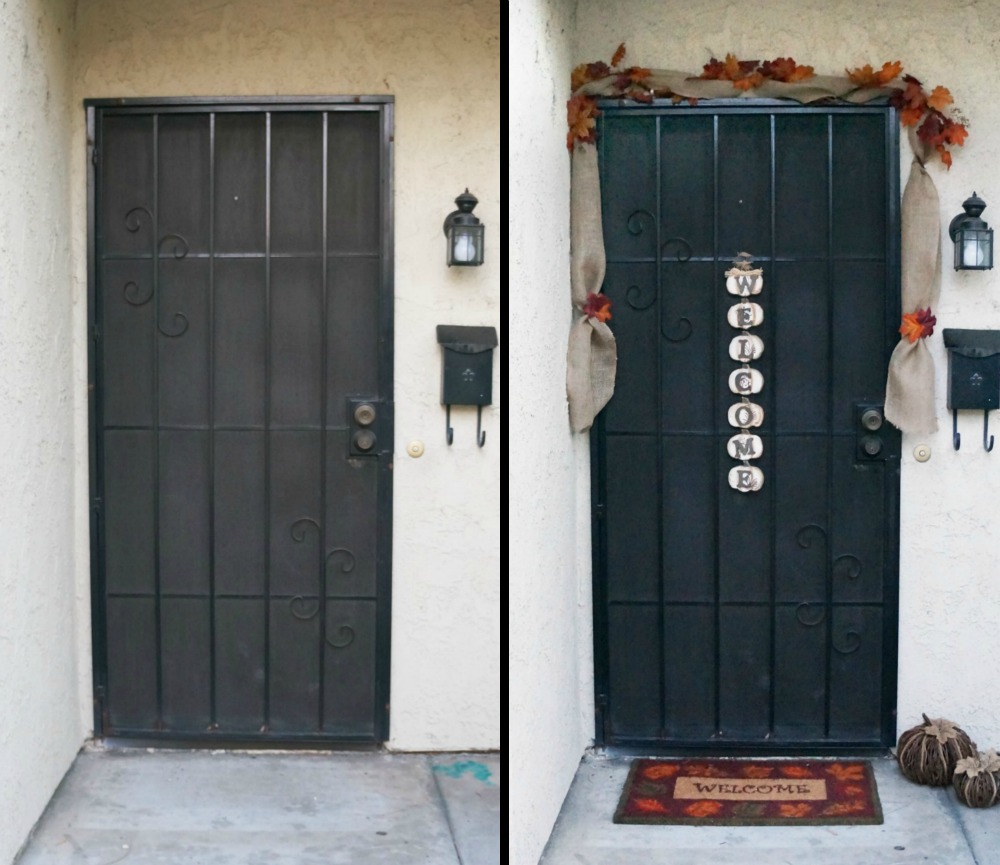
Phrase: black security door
(241,316)
(765,619)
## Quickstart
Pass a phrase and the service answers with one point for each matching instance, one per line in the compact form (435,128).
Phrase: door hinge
(95,333)
(94,156)
(97,504)
(599,510)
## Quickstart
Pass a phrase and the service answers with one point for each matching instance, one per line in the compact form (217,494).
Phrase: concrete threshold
(175,807)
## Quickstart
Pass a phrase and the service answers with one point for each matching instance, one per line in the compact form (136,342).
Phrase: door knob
(871,419)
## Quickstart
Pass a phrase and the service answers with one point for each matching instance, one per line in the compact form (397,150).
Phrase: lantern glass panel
(465,245)
(974,249)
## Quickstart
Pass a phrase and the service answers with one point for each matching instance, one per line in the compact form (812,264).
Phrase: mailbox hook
(988,444)
(480,433)
(449,432)
(956,436)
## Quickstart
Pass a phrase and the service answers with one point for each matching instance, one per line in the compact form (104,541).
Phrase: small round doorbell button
(922,453)
(415,449)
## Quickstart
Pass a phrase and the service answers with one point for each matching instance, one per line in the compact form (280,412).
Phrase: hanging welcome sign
(745,281)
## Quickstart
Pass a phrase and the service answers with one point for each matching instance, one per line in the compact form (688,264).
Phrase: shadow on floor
(145,807)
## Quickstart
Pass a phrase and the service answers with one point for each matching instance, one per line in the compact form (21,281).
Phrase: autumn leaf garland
(931,114)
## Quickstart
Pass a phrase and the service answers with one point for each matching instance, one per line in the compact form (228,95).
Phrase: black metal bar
(238,596)
(741,107)
(96,412)
(599,587)
(660,553)
(830,420)
(170,104)
(321,647)
(791,605)
(247,256)
(772,404)
(383,641)
(717,503)
(213,669)
(155,229)
(890,586)
(265,727)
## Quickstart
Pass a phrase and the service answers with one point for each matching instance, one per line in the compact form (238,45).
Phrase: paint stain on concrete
(479,771)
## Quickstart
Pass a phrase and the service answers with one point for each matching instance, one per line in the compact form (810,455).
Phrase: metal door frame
(598,470)
(384,106)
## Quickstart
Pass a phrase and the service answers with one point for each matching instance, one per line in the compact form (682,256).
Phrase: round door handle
(364,414)
(871,419)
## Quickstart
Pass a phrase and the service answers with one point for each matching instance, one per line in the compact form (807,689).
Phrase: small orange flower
(854,790)
(846,773)
(796,772)
(758,771)
(661,770)
(704,808)
(800,809)
(651,806)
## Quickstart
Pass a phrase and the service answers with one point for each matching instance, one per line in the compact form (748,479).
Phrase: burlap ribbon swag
(593,357)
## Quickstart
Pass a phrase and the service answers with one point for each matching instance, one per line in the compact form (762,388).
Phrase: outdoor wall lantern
(465,233)
(972,237)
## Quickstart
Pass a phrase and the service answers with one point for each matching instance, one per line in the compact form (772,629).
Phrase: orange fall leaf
(619,55)
(940,98)
(705,808)
(888,72)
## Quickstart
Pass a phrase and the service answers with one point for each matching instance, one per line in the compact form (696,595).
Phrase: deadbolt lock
(363,440)
(364,418)
(871,419)
(364,414)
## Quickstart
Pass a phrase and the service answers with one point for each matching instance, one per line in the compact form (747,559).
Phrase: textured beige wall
(950,585)
(441,62)
(40,718)
(551,671)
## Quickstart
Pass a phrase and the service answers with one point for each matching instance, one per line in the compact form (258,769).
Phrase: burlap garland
(909,388)
(592,357)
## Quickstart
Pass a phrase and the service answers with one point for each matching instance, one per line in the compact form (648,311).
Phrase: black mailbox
(466,370)
(973,375)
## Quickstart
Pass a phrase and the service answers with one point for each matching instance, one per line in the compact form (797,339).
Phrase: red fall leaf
(581,113)
(916,325)
(619,55)
(598,306)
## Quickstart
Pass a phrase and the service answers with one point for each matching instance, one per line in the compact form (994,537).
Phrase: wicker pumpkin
(928,754)
(977,780)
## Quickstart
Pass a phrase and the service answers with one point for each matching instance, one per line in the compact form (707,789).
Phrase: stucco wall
(550,711)
(441,62)
(40,718)
(950,583)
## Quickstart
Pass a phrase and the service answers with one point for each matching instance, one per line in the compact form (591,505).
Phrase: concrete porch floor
(922,825)
(142,807)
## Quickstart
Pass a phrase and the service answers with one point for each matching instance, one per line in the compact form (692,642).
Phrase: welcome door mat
(750,793)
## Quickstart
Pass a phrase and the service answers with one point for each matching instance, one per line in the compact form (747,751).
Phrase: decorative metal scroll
(178,247)
(744,281)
